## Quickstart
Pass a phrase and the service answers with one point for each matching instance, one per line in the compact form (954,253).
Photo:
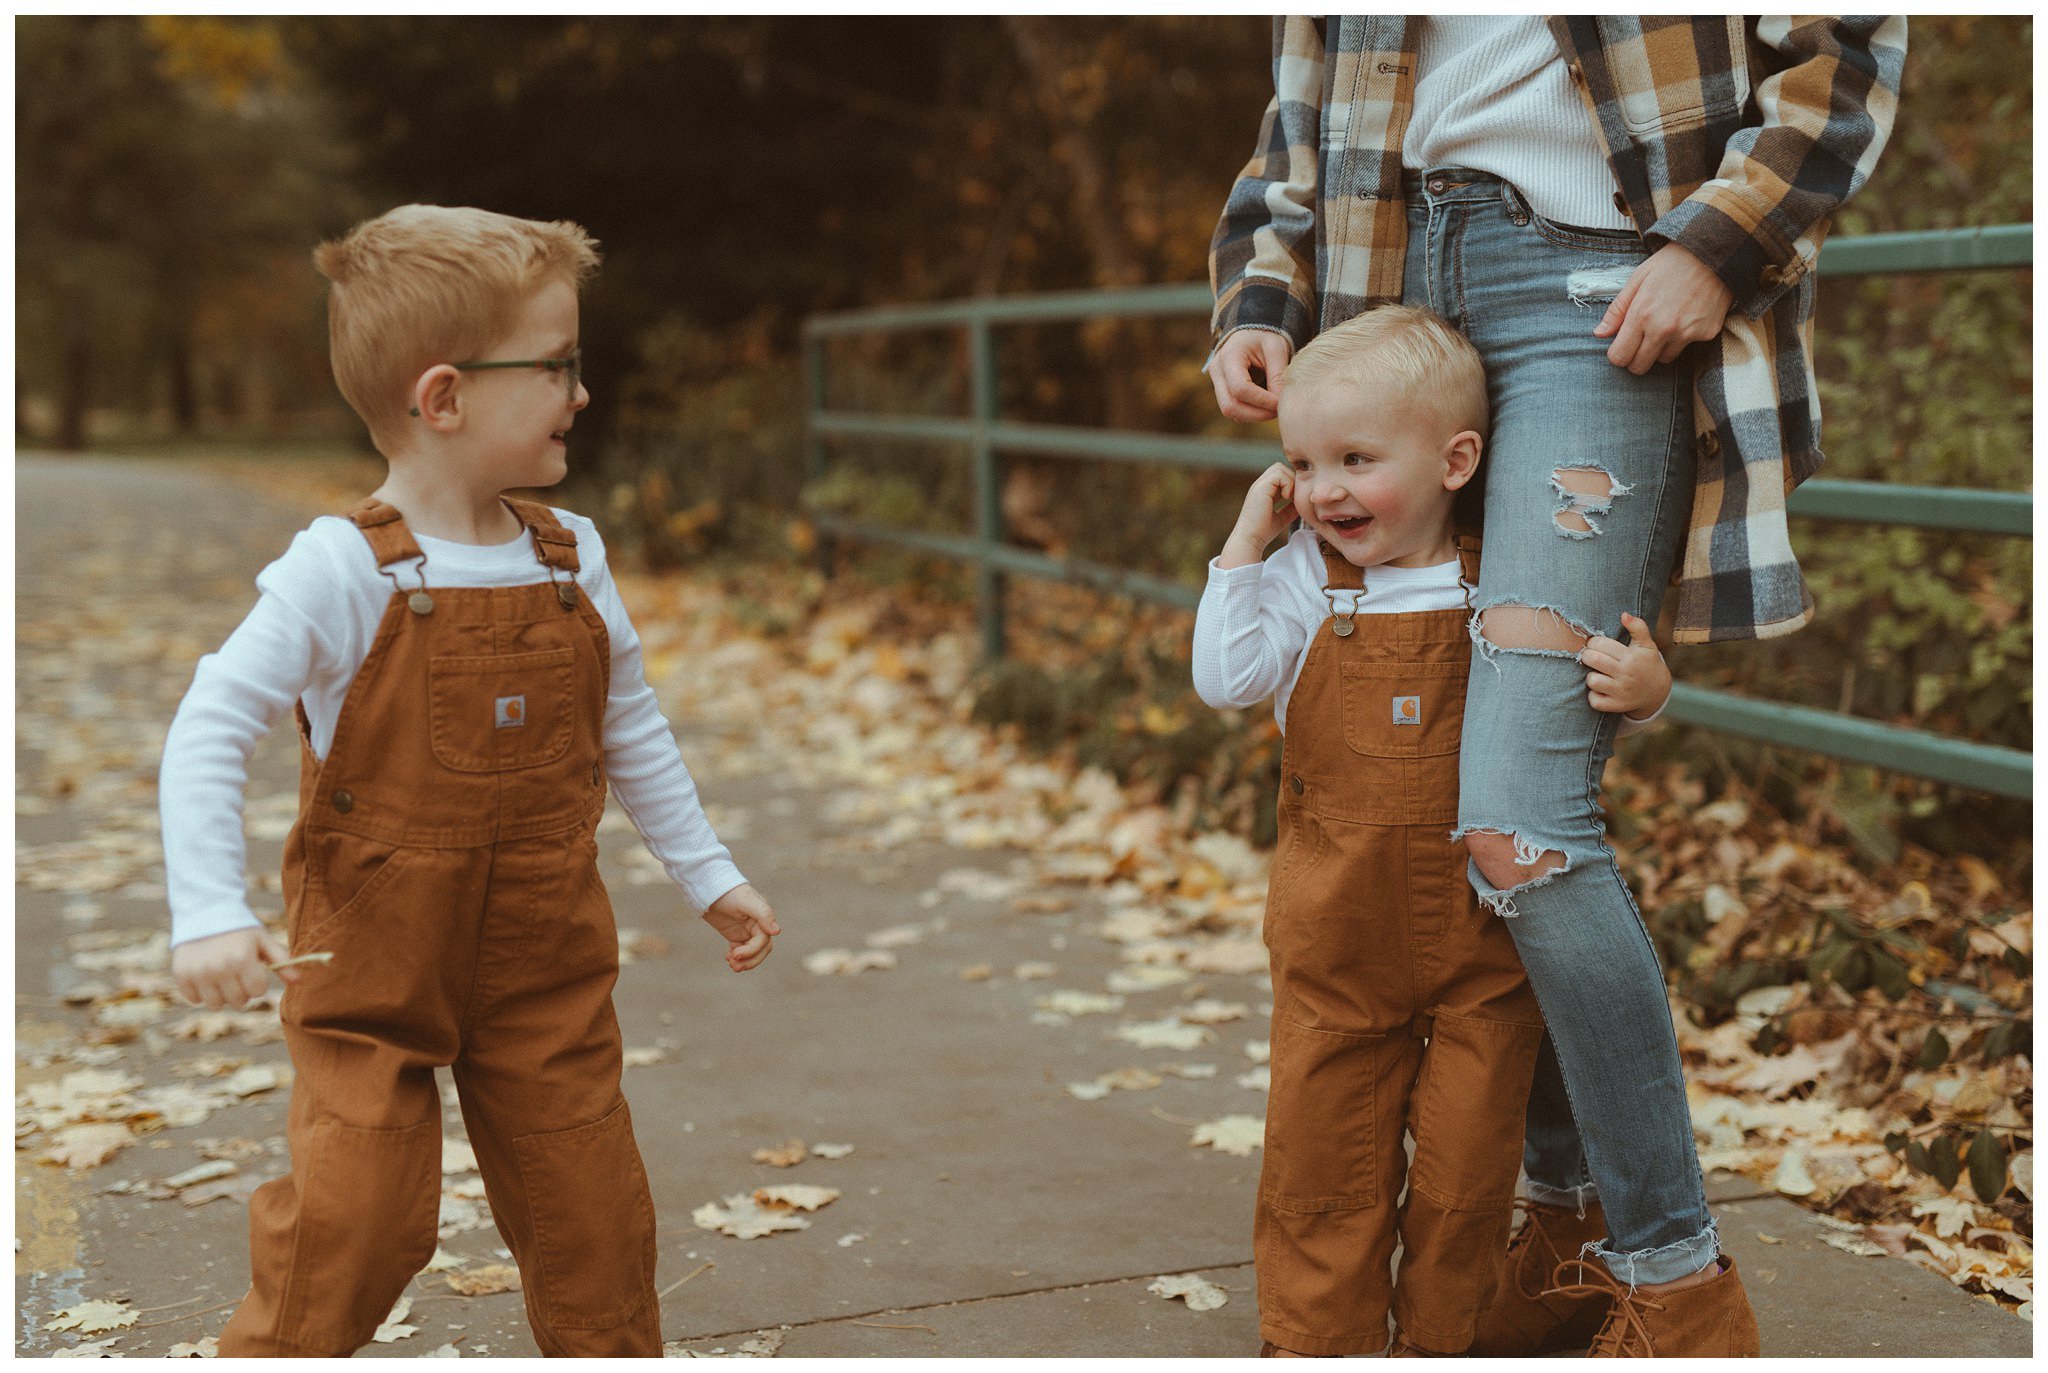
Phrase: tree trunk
(184,385)
(74,389)
(1097,209)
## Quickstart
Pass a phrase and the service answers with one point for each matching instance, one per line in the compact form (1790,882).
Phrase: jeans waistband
(1453,185)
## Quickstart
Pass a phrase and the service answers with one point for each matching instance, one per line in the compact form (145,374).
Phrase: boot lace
(1525,1237)
(1625,1333)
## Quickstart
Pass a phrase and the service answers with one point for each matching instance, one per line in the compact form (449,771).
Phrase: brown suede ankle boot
(1708,1321)
(1525,1316)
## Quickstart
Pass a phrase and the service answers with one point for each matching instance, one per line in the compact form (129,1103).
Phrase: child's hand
(743,917)
(228,970)
(1268,510)
(1627,678)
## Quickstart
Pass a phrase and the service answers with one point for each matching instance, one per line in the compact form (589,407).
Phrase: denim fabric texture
(1608,1114)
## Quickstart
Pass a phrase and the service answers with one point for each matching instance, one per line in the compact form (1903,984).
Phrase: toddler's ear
(1461,458)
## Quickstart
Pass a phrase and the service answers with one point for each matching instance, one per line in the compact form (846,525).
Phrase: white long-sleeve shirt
(309,632)
(1256,622)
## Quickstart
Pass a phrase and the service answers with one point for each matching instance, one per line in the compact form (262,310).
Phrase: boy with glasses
(465,681)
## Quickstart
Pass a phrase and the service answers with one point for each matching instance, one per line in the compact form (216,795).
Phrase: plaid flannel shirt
(1734,136)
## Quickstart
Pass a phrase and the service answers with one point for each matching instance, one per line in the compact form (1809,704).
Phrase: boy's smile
(1373,473)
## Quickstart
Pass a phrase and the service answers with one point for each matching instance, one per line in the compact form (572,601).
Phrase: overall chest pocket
(496,712)
(1403,710)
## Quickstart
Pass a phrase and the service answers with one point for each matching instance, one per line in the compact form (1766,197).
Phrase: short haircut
(427,284)
(1433,363)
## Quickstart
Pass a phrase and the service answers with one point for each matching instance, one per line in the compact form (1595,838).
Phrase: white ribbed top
(1493,93)
(310,631)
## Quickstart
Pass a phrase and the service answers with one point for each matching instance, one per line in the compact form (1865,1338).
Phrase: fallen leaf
(1162,1034)
(787,1154)
(1033,972)
(446,1351)
(1198,1292)
(90,1318)
(1145,979)
(977,972)
(207,1348)
(87,1146)
(1234,1135)
(94,1349)
(1209,1011)
(257,1077)
(848,1241)
(895,937)
(205,1172)
(845,962)
(802,1196)
(1079,1003)
(1768,1239)
(831,1150)
(1950,1214)
(743,1218)
(484,1281)
(643,1058)
(394,1328)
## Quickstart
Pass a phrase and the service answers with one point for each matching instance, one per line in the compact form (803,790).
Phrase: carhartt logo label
(511,711)
(1407,710)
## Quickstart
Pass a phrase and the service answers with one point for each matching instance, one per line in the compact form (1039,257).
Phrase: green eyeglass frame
(571,366)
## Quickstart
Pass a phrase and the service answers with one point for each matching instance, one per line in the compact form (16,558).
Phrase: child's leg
(333,1243)
(539,1083)
(1466,1115)
(1344,1063)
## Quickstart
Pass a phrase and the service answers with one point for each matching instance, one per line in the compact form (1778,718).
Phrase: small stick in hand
(324,956)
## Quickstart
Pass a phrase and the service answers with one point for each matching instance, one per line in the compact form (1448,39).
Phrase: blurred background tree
(174,173)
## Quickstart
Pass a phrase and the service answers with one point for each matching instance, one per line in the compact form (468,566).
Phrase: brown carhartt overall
(1398,1001)
(445,853)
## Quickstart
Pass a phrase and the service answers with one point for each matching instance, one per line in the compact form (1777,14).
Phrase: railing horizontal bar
(1929,507)
(1062,439)
(1188,298)
(1031,564)
(1985,767)
(1985,512)
(1930,250)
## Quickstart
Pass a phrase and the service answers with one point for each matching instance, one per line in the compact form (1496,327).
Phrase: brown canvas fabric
(1398,1004)
(445,853)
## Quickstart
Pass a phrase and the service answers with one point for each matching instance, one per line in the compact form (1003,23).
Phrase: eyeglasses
(571,368)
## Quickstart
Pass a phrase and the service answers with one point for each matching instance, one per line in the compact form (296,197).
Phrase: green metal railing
(986,436)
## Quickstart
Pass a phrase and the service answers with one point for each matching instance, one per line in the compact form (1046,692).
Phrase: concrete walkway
(984,1211)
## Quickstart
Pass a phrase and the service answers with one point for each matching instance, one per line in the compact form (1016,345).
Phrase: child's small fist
(743,916)
(229,970)
(1268,510)
(1630,678)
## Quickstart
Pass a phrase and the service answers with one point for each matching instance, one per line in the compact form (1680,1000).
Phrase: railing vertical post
(985,396)
(814,440)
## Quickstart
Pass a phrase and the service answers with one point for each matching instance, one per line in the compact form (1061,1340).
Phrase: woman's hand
(1238,396)
(1268,510)
(1672,300)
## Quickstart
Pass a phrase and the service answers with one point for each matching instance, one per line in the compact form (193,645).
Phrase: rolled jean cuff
(1574,1199)
(1666,1263)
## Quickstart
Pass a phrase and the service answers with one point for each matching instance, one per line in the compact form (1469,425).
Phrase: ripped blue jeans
(1588,478)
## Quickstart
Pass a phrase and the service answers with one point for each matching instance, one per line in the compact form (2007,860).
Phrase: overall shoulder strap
(1468,559)
(390,541)
(552,543)
(1341,572)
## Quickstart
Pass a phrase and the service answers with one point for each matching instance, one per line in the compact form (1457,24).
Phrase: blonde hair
(1433,363)
(428,284)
